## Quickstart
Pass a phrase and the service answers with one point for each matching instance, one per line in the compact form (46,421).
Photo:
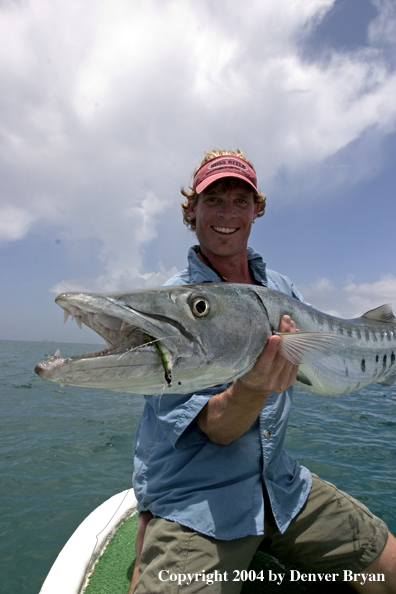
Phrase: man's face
(224,219)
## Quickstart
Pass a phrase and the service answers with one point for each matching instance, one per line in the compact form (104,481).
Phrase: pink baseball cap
(225,166)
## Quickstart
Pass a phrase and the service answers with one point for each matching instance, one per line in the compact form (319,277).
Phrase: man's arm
(229,415)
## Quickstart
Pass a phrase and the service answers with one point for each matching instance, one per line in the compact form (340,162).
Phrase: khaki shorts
(332,532)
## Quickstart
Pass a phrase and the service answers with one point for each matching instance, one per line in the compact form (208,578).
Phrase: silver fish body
(186,338)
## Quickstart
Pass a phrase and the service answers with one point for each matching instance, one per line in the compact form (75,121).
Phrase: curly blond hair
(228,183)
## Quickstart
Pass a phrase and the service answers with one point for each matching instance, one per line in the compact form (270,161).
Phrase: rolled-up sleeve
(176,414)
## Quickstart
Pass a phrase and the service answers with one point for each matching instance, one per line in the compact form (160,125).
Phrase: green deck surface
(113,572)
(114,569)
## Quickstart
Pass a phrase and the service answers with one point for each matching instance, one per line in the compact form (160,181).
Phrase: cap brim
(213,178)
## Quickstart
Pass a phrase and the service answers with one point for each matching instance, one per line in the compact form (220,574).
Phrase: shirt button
(267,434)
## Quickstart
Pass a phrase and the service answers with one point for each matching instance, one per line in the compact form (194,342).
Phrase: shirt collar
(200,273)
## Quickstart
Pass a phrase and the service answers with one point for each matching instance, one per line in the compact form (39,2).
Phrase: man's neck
(234,269)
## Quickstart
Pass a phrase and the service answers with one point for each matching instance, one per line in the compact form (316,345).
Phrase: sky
(107,107)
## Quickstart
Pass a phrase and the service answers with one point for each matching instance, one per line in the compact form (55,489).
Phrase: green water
(64,451)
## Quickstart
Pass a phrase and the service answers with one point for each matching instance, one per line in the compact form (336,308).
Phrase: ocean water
(63,451)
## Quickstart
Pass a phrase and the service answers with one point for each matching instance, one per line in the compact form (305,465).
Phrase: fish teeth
(73,311)
(91,319)
(57,353)
(66,314)
(78,320)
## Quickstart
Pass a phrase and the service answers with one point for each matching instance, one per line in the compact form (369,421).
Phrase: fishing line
(166,364)
(141,346)
(130,489)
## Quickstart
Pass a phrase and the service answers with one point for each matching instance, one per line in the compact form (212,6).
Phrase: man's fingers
(273,344)
(284,374)
(272,371)
(269,353)
(286,324)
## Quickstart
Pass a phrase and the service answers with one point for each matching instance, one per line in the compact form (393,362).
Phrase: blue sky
(106,108)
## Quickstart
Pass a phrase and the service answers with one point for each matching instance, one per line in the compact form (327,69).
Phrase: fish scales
(187,338)
(368,357)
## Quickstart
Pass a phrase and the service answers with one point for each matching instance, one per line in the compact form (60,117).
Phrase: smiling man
(223,216)
(212,480)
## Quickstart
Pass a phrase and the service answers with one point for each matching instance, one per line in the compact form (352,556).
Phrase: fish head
(181,337)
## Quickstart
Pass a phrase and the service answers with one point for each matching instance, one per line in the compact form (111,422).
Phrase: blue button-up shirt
(180,475)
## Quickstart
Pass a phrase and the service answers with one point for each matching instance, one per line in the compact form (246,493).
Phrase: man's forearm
(230,414)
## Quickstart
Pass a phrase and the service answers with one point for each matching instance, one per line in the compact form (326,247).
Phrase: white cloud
(320,286)
(110,105)
(117,278)
(365,296)
(14,223)
(352,300)
(381,31)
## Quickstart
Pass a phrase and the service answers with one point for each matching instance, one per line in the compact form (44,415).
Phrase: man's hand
(229,415)
(272,372)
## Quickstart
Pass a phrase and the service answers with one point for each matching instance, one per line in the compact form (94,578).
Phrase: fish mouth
(119,335)
(122,336)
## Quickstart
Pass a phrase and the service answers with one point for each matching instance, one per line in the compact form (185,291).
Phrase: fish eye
(200,307)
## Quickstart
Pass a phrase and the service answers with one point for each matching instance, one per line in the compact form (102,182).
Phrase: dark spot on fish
(179,383)
(384,361)
(303,379)
(392,358)
(367,334)
(168,377)
(349,332)
(346,372)
(358,333)
(363,365)
(376,359)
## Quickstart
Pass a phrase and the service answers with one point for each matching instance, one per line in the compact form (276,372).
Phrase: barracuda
(186,338)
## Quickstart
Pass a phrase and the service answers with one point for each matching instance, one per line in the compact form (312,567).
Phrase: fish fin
(389,381)
(308,347)
(383,313)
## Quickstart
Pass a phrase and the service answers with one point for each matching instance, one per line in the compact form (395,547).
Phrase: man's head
(219,172)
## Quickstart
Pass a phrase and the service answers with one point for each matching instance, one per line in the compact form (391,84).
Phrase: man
(212,480)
